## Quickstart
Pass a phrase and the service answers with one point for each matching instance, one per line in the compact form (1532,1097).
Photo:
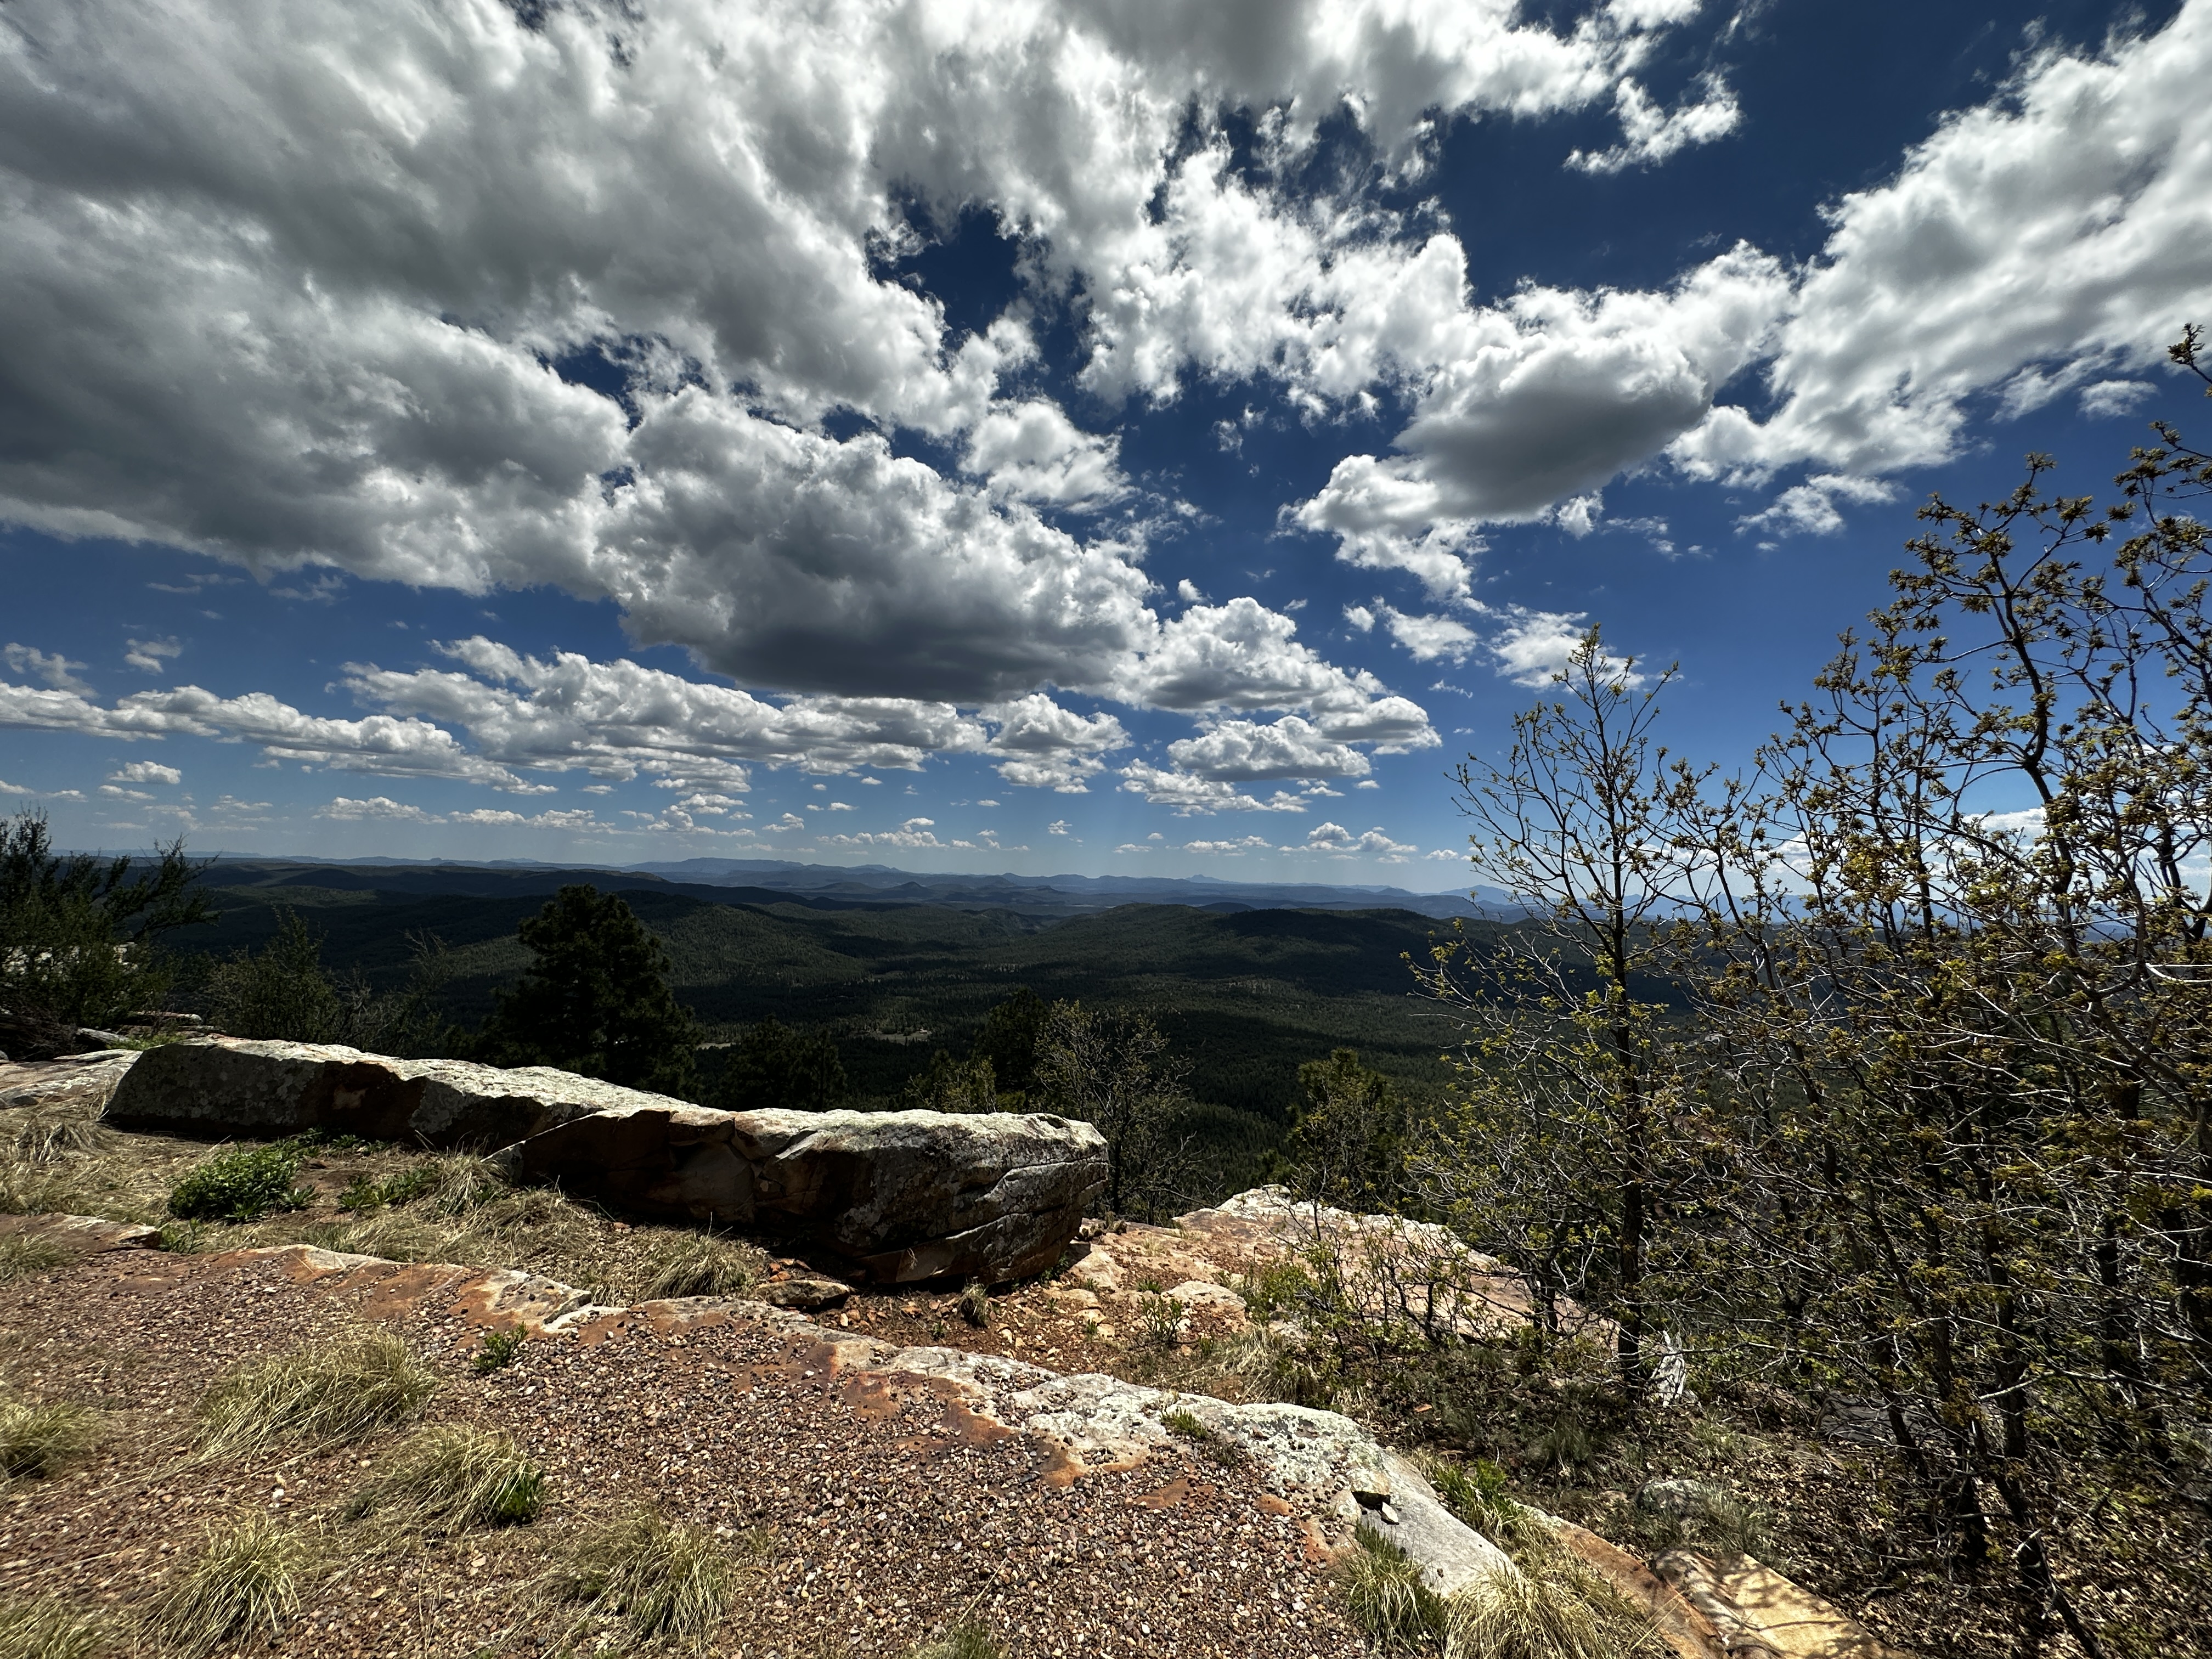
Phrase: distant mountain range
(878,885)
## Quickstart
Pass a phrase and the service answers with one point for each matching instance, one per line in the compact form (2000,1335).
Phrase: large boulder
(899,1197)
(231,1086)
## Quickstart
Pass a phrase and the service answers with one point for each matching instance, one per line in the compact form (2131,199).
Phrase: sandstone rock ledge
(221,1086)
(899,1197)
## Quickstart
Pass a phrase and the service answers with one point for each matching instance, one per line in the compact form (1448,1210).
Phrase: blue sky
(1090,437)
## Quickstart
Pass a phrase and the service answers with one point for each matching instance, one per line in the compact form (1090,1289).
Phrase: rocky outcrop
(230,1086)
(80,1083)
(898,1197)
(1312,1468)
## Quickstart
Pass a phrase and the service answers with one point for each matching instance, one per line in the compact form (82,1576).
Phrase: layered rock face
(232,1086)
(899,1196)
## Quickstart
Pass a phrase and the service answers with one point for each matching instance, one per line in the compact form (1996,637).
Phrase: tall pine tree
(597,1002)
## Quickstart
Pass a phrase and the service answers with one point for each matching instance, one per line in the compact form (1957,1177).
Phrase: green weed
(965,1639)
(975,1304)
(242,1184)
(1387,1598)
(498,1349)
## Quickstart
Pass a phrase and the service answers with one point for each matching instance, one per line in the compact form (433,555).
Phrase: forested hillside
(1245,996)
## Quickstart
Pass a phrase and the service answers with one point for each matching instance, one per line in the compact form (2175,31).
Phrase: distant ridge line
(877,883)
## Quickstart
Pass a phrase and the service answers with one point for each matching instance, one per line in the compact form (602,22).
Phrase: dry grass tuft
(244,1583)
(975,1304)
(36,1441)
(450,1476)
(966,1639)
(1476,1492)
(330,1394)
(47,1629)
(1387,1598)
(45,1138)
(22,1254)
(1558,1608)
(702,1264)
(668,1582)
(29,1189)
(1536,1616)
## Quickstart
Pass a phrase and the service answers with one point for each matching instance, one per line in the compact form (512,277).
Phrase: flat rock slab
(899,1197)
(79,1235)
(224,1087)
(81,1082)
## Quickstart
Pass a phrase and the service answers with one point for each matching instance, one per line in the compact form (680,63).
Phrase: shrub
(37,1440)
(450,1476)
(46,1629)
(1159,1319)
(22,1254)
(329,1394)
(671,1582)
(244,1583)
(242,1184)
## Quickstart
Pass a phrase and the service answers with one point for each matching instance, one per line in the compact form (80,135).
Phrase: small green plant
(180,1237)
(976,1304)
(450,1476)
(403,1187)
(498,1349)
(1566,1445)
(244,1583)
(330,1394)
(1387,1598)
(701,1264)
(1184,1425)
(35,1441)
(1159,1320)
(242,1184)
(1476,1492)
(47,1628)
(22,1254)
(671,1582)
